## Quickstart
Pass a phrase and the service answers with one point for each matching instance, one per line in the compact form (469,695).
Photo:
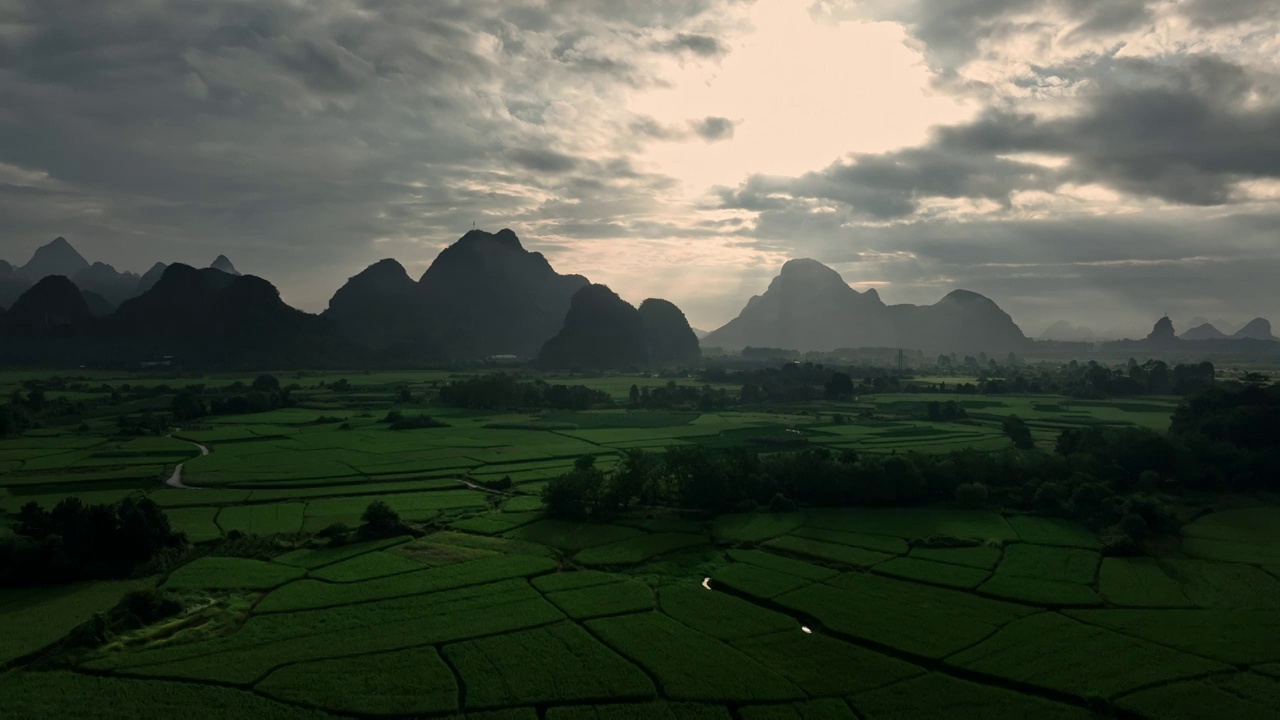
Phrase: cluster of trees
(1088,380)
(1115,480)
(75,541)
(196,401)
(501,391)
(675,396)
(26,410)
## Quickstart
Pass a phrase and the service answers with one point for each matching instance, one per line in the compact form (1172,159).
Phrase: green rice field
(494,610)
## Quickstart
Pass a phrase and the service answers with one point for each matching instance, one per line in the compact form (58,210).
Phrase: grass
(827,551)
(633,551)
(983,557)
(616,597)
(755,527)
(367,567)
(230,573)
(1239,637)
(939,695)
(313,594)
(560,663)
(30,695)
(1224,586)
(35,618)
(639,711)
(823,666)
(571,536)
(934,573)
(405,682)
(1052,531)
(721,616)
(1138,582)
(266,642)
(912,618)
(1087,660)
(690,665)
(311,558)
(1056,564)
(912,523)
(825,709)
(1246,696)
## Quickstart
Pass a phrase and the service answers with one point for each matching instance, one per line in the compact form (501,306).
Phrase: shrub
(781,504)
(380,521)
(972,495)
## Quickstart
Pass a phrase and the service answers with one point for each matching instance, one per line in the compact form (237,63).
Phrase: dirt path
(175,480)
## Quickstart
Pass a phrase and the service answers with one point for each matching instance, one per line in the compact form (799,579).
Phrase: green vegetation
(889,556)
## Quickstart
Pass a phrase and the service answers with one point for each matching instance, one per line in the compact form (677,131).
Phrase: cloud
(1185,133)
(712,129)
(703,45)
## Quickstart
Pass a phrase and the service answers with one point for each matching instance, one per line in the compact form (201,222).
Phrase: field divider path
(175,480)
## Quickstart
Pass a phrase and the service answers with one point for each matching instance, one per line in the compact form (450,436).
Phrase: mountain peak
(1163,331)
(1204,331)
(807,268)
(57,257)
(224,264)
(1255,329)
(964,296)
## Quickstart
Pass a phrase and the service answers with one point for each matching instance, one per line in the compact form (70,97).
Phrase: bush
(781,503)
(416,422)
(335,533)
(971,495)
(1149,481)
(380,521)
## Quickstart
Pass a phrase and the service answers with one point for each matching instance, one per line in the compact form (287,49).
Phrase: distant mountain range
(1063,331)
(105,287)
(808,306)
(1255,336)
(601,330)
(484,295)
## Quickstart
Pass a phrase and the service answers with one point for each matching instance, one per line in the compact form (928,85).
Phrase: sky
(1099,161)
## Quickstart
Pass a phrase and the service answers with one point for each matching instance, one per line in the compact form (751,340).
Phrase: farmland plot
(690,665)
(556,663)
(939,695)
(1055,652)
(406,682)
(918,619)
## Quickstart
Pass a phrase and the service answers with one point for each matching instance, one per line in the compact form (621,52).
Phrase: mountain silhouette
(51,307)
(601,330)
(1204,331)
(222,263)
(1162,334)
(669,339)
(12,285)
(1064,331)
(219,318)
(149,278)
(486,295)
(1255,329)
(55,258)
(808,306)
(379,308)
(98,305)
(103,280)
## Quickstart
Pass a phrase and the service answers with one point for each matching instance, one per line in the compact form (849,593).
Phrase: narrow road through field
(175,480)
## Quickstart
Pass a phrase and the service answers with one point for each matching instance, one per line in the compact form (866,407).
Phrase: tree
(1017,430)
(187,406)
(971,495)
(840,387)
(403,395)
(380,521)
(266,383)
(635,395)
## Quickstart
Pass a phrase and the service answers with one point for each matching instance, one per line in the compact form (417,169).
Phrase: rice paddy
(495,610)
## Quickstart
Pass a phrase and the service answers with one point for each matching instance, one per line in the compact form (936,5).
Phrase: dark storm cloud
(703,45)
(172,130)
(1185,133)
(543,160)
(712,129)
